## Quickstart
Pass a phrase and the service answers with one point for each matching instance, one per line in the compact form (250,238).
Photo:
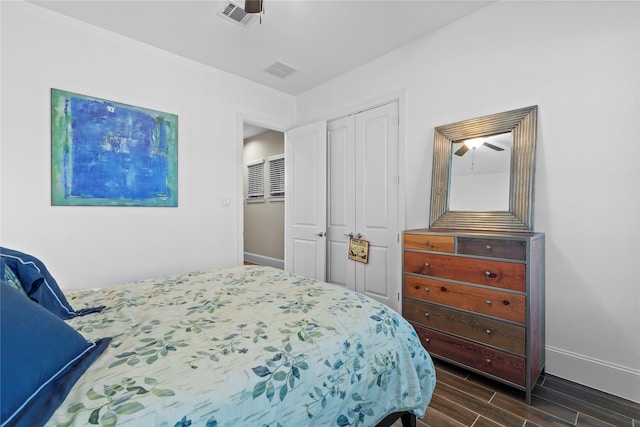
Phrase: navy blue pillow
(40,285)
(8,275)
(41,358)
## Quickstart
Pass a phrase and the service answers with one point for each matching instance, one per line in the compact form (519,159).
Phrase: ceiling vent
(280,69)
(235,13)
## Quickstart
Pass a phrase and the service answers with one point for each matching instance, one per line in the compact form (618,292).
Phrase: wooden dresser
(476,300)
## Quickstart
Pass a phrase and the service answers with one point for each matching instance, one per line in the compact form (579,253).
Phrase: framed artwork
(359,250)
(105,153)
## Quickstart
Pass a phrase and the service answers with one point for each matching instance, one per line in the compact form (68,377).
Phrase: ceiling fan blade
(463,149)
(493,147)
(253,6)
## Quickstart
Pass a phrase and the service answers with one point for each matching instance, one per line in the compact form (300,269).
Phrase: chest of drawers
(477,300)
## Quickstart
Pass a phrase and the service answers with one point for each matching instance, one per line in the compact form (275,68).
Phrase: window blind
(255,175)
(276,176)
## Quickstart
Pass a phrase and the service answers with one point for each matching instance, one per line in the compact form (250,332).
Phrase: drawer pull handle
(426,289)
(424,269)
(426,315)
(427,243)
(489,247)
(443,289)
(490,274)
(506,302)
(488,331)
(488,361)
(416,287)
(427,340)
(488,302)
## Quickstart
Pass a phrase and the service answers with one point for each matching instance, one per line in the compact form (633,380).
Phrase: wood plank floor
(462,398)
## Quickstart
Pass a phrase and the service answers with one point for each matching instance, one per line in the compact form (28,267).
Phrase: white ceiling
(322,39)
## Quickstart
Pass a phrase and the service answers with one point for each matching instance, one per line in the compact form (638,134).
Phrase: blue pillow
(40,285)
(41,358)
(8,275)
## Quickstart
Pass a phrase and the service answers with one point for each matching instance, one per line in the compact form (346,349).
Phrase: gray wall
(263,222)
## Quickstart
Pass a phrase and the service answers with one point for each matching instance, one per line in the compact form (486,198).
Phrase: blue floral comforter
(244,346)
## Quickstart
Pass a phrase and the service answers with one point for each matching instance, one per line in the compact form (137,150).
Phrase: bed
(237,346)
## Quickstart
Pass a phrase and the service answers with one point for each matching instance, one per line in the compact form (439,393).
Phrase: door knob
(348,235)
(321,234)
(359,236)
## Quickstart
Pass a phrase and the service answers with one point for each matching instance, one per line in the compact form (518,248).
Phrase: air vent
(280,69)
(235,13)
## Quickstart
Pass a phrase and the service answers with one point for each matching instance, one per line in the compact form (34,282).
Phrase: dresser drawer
(501,274)
(495,248)
(502,365)
(496,303)
(499,334)
(429,242)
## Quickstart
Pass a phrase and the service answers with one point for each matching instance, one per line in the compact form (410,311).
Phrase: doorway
(263,196)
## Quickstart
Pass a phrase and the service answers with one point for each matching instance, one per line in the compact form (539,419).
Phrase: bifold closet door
(363,186)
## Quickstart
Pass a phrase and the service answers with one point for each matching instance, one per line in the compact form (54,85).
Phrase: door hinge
(398,296)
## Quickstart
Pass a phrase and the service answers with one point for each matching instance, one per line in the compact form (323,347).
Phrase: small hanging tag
(359,250)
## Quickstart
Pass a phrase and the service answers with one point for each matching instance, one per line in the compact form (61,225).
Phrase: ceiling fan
(253,6)
(472,144)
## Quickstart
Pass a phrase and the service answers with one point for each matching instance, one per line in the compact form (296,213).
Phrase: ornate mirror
(483,172)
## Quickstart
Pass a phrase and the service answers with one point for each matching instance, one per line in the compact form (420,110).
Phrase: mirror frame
(523,125)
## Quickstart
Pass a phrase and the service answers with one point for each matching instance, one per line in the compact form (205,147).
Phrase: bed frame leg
(408,419)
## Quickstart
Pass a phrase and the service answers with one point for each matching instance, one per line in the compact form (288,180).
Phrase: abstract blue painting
(105,153)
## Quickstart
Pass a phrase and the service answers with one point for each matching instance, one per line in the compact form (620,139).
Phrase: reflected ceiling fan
(253,6)
(472,144)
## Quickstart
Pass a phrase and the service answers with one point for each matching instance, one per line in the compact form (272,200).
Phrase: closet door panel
(376,276)
(338,271)
(341,203)
(377,201)
(372,189)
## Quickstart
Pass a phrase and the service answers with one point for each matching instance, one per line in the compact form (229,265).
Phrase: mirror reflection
(480,173)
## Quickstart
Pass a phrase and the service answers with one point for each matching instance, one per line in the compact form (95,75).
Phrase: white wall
(93,246)
(579,62)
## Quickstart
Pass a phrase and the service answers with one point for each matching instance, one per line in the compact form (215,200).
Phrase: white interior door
(306,192)
(377,203)
(341,203)
(363,201)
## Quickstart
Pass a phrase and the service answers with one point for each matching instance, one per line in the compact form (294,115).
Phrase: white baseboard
(599,374)
(264,260)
